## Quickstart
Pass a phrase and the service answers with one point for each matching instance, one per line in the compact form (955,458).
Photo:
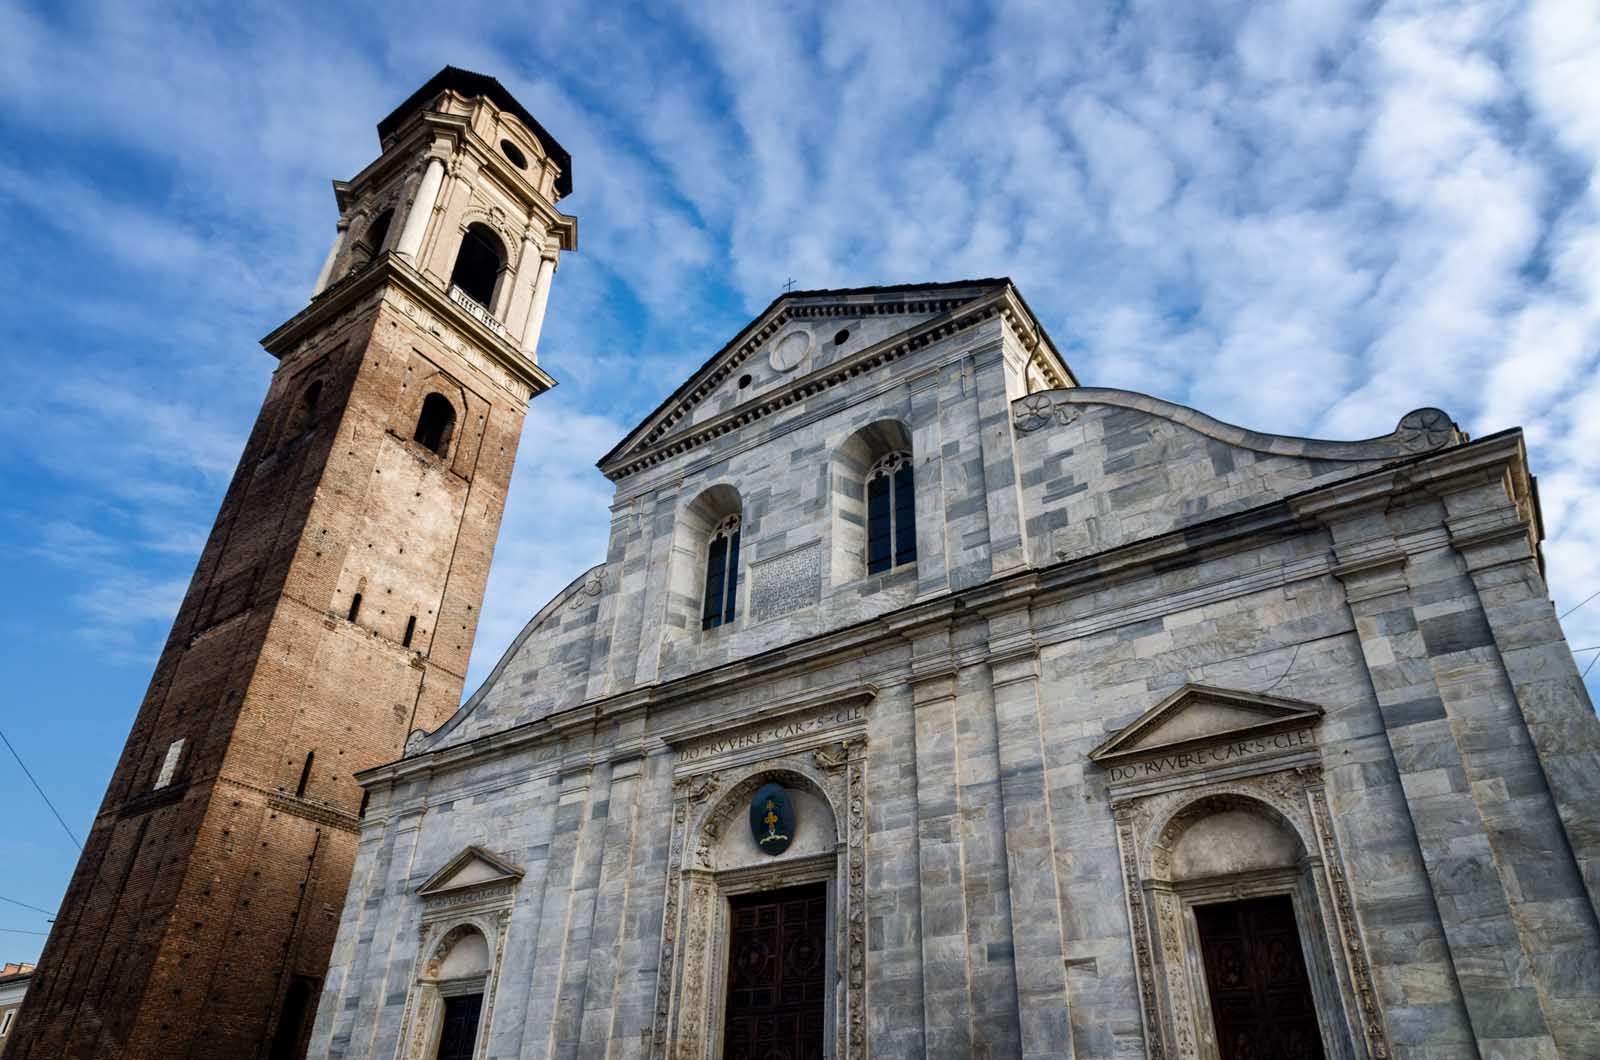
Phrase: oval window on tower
(513,152)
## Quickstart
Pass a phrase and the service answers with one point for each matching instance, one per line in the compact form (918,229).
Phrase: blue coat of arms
(772,819)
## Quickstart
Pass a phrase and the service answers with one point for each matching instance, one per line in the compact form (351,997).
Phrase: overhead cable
(40,790)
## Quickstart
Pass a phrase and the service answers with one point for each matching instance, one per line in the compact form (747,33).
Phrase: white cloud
(1305,216)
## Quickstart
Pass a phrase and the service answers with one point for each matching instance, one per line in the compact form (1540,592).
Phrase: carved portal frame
(448,915)
(1172,991)
(695,933)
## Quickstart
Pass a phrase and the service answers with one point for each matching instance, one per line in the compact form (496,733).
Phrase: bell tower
(333,608)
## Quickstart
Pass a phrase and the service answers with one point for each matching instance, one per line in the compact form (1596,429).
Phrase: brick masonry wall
(196,904)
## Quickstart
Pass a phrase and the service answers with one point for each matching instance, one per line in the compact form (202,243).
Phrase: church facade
(928,703)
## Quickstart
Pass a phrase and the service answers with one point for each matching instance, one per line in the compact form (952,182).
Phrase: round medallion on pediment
(790,350)
(1425,428)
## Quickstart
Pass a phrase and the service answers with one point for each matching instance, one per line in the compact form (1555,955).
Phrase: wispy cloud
(1305,216)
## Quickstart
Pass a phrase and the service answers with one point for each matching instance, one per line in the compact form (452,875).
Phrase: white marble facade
(1141,662)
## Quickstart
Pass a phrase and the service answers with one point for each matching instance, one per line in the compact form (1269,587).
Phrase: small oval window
(513,152)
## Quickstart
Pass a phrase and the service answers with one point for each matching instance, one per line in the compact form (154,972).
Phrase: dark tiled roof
(470,84)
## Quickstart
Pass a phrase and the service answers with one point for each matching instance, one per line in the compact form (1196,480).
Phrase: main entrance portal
(1256,976)
(777,984)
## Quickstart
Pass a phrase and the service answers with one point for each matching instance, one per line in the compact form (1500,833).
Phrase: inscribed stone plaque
(788,582)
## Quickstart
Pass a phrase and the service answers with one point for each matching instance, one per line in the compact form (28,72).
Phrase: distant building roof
(15,970)
(470,84)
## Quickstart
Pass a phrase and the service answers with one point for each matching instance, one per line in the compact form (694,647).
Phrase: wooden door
(1256,974)
(460,1030)
(777,978)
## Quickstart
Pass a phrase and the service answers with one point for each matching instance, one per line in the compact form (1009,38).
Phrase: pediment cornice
(1197,716)
(664,435)
(471,870)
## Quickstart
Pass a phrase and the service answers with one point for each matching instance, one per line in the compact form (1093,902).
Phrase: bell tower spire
(333,609)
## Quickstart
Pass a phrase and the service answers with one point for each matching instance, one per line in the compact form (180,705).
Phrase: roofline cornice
(430,134)
(1488,459)
(389,270)
(957,315)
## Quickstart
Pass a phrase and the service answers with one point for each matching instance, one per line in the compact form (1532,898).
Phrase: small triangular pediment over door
(1180,728)
(472,871)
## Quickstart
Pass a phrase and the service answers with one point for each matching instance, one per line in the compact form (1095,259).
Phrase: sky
(1307,217)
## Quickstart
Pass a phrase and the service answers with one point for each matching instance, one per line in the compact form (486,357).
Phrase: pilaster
(562,904)
(1444,709)
(1493,538)
(947,991)
(1002,488)
(608,933)
(1030,833)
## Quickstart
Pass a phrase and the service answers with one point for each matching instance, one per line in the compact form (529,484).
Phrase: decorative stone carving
(790,350)
(592,587)
(1425,428)
(786,583)
(686,1000)
(1150,825)
(1038,410)
(472,892)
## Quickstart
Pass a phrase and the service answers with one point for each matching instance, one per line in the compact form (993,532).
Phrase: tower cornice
(390,270)
(438,134)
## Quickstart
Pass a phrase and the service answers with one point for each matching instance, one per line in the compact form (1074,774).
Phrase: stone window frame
(689,1013)
(887,467)
(851,464)
(1173,1000)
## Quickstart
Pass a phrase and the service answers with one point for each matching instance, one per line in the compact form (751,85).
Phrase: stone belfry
(333,609)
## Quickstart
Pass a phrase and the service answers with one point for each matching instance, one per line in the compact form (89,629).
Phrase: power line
(25,905)
(40,790)
(1580,603)
(1586,669)
(24,931)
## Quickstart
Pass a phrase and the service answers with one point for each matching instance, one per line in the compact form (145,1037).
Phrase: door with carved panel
(1261,1000)
(776,975)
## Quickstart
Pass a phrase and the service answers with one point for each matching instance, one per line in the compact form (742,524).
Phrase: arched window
(891,513)
(460,980)
(722,575)
(478,264)
(377,232)
(434,423)
(306,414)
(292,1019)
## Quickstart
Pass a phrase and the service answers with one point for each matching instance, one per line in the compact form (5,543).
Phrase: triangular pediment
(473,867)
(791,346)
(1196,715)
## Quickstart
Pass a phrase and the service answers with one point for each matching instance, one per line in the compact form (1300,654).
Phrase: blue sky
(1306,217)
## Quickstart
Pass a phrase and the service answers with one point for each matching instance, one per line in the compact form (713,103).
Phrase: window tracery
(891,513)
(722,575)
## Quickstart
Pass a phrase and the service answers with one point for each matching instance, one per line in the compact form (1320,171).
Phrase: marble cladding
(1458,752)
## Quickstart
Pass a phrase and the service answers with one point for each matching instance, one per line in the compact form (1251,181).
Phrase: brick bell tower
(333,608)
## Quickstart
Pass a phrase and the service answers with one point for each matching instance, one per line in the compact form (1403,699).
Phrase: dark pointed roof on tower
(468,83)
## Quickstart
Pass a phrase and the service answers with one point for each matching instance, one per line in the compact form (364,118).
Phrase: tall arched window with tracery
(722,575)
(891,513)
